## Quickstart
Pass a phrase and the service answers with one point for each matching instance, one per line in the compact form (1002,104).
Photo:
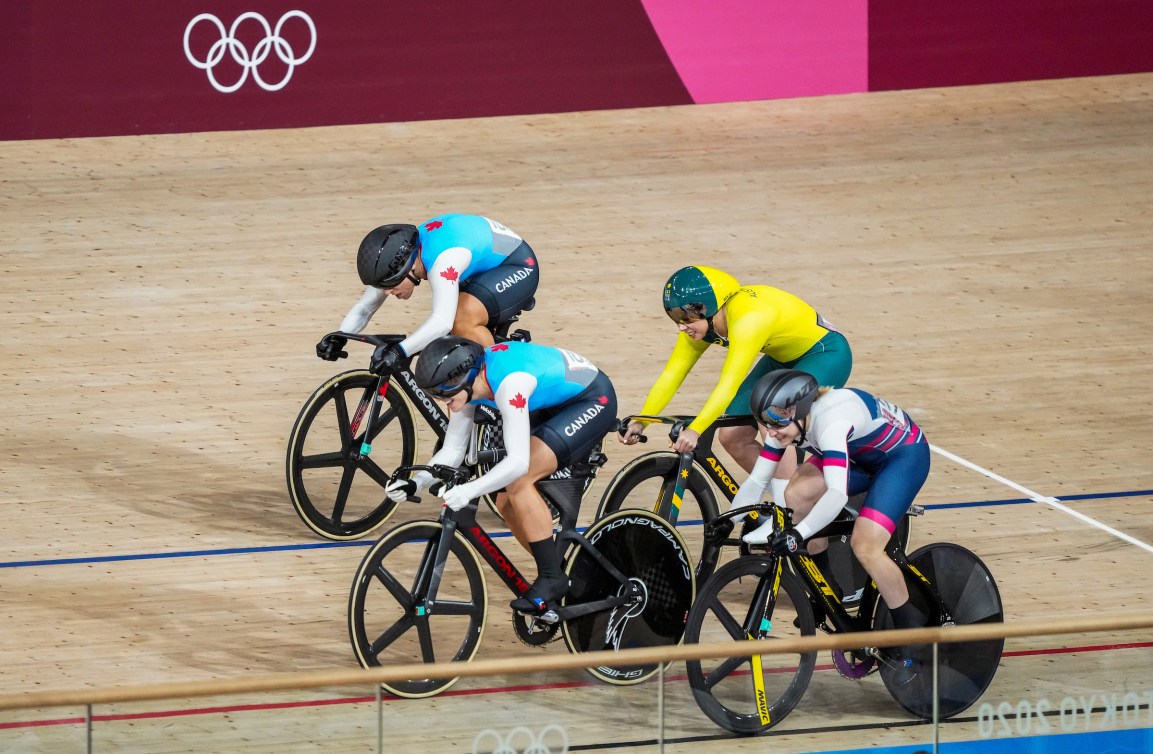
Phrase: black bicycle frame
(402,378)
(818,585)
(464,521)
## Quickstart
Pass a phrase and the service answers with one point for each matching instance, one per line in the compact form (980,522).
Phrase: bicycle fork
(758,625)
(427,585)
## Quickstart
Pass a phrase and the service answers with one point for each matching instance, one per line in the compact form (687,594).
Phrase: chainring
(533,631)
(853,664)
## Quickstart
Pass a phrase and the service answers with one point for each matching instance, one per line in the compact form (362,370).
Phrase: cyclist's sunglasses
(684,314)
(446,390)
(775,417)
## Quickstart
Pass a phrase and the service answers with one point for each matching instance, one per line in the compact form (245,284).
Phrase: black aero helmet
(783,396)
(448,365)
(387,254)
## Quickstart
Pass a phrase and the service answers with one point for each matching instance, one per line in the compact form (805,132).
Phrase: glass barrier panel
(337,719)
(1057,694)
(57,729)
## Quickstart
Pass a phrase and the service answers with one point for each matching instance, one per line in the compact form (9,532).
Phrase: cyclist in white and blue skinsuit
(858,442)
(480,273)
(555,407)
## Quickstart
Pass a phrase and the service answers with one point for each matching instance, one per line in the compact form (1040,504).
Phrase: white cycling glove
(399,490)
(456,497)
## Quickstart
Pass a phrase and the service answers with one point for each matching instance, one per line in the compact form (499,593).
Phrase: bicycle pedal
(548,616)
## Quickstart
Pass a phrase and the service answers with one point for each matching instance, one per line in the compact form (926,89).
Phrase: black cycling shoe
(906,663)
(543,593)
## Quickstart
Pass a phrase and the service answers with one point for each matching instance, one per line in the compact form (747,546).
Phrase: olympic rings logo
(249,62)
(534,743)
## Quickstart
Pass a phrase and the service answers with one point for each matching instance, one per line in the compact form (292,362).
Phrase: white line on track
(1035,497)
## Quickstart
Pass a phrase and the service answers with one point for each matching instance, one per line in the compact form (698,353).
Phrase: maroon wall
(69,68)
(119,66)
(926,43)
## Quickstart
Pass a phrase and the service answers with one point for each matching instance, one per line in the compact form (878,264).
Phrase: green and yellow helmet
(697,292)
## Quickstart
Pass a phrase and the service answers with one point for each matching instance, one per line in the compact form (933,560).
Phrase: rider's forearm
(823,513)
(685,354)
(445,297)
(359,315)
(753,489)
(738,363)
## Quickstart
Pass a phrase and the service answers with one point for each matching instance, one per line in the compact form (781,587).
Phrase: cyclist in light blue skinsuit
(480,273)
(555,407)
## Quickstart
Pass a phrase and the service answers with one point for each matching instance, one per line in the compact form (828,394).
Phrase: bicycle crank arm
(568,612)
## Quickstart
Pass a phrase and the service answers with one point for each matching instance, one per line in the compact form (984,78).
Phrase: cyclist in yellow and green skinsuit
(710,307)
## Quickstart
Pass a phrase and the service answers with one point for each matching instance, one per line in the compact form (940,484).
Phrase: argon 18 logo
(226,42)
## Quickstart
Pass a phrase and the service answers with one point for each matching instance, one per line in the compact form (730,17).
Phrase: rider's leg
(531,523)
(509,514)
(742,444)
(472,320)
(869,541)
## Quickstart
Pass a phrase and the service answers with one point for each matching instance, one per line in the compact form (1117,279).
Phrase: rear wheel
(966,669)
(657,563)
(749,695)
(393,619)
(337,496)
(649,479)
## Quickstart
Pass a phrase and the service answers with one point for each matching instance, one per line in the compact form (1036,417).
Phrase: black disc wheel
(749,695)
(646,481)
(964,670)
(656,564)
(393,616)
(336,487)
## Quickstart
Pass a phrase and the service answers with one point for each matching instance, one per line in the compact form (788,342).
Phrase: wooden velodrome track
(987,250)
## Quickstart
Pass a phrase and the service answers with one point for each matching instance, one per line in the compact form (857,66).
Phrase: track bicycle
(355,426)
(679,488)
(420,593)
(763,596)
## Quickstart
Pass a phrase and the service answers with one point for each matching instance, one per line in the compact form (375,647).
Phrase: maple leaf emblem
(518,401)
(530,262)
(432,225)
(603,400)
(498,347)
(451,275)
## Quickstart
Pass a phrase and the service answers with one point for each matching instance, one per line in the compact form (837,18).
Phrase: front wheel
(398,613)
(656,562)
(646,483)
(964,670)
(749,695)
(337,495)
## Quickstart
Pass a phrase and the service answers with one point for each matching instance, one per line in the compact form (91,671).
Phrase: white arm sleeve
(512,400)
(754,487)
(456,437)
(444,280)
(835,437)
(359,315)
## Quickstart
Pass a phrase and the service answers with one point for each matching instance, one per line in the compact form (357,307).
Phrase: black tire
(965,669)
(641,484)
(649,552)
(337,497)
(726,689)
(386,622)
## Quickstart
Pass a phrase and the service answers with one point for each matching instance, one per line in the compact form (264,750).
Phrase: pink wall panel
(728,50)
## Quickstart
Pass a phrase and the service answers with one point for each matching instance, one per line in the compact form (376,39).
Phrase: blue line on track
(494,535)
